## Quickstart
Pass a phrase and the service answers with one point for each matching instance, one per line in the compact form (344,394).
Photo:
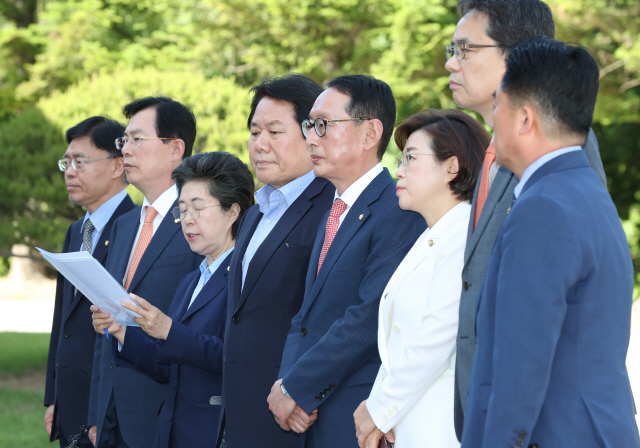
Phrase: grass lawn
(23,359)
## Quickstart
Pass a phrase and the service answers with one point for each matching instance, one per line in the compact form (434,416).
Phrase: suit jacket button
(318,398)
(523,434)
(66,335)
(331,386)
(519,441)
(304,331)
(465,286)
(235,319)
(112,364)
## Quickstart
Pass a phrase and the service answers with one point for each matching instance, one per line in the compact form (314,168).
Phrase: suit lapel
(211,289)
(121,252)
(347,230)
(498,187)
(168,228)
(251,222)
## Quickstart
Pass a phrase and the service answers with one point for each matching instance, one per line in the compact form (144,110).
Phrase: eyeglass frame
(306,125)
(138,139)
(81,161)
(450,49)
(177,211)
(405,164)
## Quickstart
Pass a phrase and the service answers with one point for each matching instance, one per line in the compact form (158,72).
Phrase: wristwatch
(284,391)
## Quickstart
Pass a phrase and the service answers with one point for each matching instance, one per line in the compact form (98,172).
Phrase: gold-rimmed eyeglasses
(135,141)
(460,48)
(320,124)
(77,164)
(406,159)
(181,213)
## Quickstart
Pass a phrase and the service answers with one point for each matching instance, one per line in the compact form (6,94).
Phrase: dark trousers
(110,436)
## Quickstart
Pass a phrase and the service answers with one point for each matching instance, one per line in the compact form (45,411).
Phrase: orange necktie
(333,222)
(143,241)
(483,191)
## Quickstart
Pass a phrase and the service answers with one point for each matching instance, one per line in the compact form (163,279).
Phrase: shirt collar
(208,269)
(163,203)
(290,192)
(351,194)
(538,163)
(101,216)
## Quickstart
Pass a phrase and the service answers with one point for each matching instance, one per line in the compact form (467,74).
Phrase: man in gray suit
(476,61)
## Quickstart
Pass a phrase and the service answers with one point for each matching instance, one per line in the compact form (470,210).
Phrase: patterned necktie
(337,209)
(86,236)
(483,191)
(143,241)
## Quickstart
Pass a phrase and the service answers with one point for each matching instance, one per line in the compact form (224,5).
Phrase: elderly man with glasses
(94,174)
(149,256)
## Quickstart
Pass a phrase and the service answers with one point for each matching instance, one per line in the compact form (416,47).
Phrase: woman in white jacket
(412,398)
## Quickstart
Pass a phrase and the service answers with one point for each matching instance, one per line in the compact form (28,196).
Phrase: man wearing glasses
(476,61)
(331,360)
(93,172)
(149,256)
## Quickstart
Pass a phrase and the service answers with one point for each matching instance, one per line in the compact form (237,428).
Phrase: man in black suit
(93,171)
(269,264)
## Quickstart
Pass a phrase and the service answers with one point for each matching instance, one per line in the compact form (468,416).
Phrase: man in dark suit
(554,314)
(476,62)
(93,171)
(331,358)
(267,274)
(150,256)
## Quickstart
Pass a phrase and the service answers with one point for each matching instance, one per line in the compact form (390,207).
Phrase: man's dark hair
(453,133)
(296,89)
(229,180)
(173,119)
(512,20)
(370,98)
(560,80)
(102,133)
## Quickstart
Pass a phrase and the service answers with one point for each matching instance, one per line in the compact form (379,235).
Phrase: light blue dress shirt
(538,163)
(101,217)
(206,272)
(273,203)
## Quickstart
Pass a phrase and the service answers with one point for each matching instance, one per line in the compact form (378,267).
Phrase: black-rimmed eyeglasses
(320,124)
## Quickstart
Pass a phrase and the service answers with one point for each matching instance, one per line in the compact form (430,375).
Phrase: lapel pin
(176,221)
(361,217)
(228,267)
(106,243)
(508,210)
(430,243)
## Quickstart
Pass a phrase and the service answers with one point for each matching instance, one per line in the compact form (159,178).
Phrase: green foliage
(23,353)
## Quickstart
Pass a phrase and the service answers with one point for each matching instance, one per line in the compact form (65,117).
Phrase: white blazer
(417,327)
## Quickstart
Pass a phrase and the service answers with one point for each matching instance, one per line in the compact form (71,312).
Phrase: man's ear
(528,119)
(373,134)
(177,150)
(118,167)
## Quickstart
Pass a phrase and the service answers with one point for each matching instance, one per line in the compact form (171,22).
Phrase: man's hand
(48,419)
(153,321)
(92,434)
(102,321)
(300,421)
(281,406)
(364,424)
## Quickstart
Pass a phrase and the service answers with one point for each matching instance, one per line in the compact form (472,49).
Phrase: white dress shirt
(351,194)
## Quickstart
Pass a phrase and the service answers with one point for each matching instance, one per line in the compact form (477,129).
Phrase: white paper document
(94,281)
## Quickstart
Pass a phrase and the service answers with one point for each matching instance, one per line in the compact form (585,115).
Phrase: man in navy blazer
(553,318)
(124,403)
(475,75)
(93,171)
(269,264)
(330,359)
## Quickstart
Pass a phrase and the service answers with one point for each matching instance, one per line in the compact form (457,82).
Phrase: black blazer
(72,338)
(260,316)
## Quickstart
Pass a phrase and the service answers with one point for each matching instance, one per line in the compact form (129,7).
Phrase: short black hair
(102,133)
(370,98)
(453,133)
(296,89)
(560,80)
(173,119)
(512,20)
(229,180)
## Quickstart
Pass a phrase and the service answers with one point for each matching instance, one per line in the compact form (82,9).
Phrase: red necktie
(143,241)
(483,191)
(337,209)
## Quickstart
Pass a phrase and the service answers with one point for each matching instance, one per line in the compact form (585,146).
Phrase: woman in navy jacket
(215,191)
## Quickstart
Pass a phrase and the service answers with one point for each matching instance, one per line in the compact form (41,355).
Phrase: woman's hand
(102,321)
(364,425)
(153,321)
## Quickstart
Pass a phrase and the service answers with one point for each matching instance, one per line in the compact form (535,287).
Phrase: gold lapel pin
(361,217)
(430,243)
(106,243)
(176,221)
(228,267)
(508,210)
